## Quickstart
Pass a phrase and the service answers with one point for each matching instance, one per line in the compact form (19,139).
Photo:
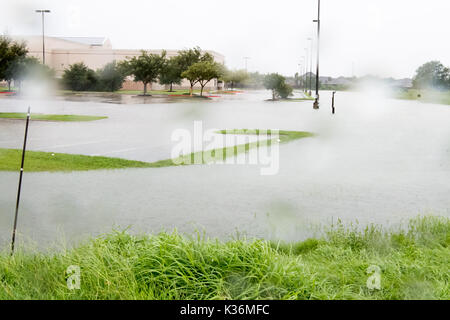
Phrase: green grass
(428,96)
(50,117)
(413,265)
(46,161)
(5,89)
(37,161)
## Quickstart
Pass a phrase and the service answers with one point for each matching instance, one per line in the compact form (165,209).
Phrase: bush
(78,77)
(277,83)
(81,78)
(110,77)
(284,90)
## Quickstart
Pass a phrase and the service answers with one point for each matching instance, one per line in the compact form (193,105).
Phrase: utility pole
(43,12)
(246,59)
(310,66)
(306,69)
(316,102)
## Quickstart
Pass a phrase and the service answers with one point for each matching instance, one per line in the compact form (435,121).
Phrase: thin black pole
(316,102)
(310,67)
(20,182)
(332,103)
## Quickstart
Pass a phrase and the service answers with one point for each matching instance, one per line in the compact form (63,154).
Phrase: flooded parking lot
(377,160)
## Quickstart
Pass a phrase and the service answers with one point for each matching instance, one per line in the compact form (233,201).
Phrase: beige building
(95,52)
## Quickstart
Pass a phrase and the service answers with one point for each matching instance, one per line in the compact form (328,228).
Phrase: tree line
(191,64)
(432,75)
(16,66)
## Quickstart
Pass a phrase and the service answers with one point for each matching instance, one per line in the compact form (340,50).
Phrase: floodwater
(377,160)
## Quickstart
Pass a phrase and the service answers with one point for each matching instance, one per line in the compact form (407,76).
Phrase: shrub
(110,77)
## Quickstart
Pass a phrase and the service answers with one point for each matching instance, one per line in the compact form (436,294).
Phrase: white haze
(381,37)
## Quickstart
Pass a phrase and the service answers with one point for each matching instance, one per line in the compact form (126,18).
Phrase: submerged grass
(50,117)
(413,265)
(429,96)
(37,161)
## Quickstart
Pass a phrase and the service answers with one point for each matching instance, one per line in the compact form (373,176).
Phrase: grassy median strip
(47,161)
(38,161)
(50,117)
(411,264)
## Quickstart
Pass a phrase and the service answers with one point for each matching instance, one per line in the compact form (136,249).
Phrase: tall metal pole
(42,12)
(306,69)
(246,59)
(310,67)
(13,240)
(316,102)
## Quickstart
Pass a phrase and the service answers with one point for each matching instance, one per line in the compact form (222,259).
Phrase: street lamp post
(302,72)
(300,76)
(316,102)
(310,66)
(246,59)
(43,12)
(306,69)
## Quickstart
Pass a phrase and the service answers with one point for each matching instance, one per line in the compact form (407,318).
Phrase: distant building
(95,52)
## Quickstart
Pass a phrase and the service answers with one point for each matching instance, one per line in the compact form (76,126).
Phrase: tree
(277,83)
(146,68)
(171,72)
(78,77)
(111,77)
(272,82)
(234,77)
(28,68)
(203,72)
(10,52)
(187,58)
(432,74)
(284,90)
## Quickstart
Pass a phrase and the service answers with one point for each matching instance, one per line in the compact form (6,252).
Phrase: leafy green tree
(78,77)
(272,82)
(284,90)
(111,77)
(234,77)
(10,52)
(28,68)
(171,72)
(146,68)
(432,74)
(187,58)
(277,83)
(203,72)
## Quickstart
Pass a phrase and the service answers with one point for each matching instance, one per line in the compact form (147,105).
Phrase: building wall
(60,54)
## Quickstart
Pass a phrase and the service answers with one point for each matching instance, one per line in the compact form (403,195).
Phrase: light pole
(306,69)
(43,12)
(310,66)
(302,76)
(246,59)
(316,102)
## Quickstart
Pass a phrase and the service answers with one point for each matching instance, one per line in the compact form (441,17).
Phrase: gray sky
(381,37)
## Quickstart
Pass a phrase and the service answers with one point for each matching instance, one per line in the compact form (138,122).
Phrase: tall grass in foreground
(414,265)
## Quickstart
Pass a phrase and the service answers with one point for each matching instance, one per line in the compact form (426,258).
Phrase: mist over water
(377,160)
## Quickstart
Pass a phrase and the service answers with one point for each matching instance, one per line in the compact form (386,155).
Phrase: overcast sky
(381,37)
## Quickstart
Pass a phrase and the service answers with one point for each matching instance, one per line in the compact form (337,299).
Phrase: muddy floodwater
(377,160)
